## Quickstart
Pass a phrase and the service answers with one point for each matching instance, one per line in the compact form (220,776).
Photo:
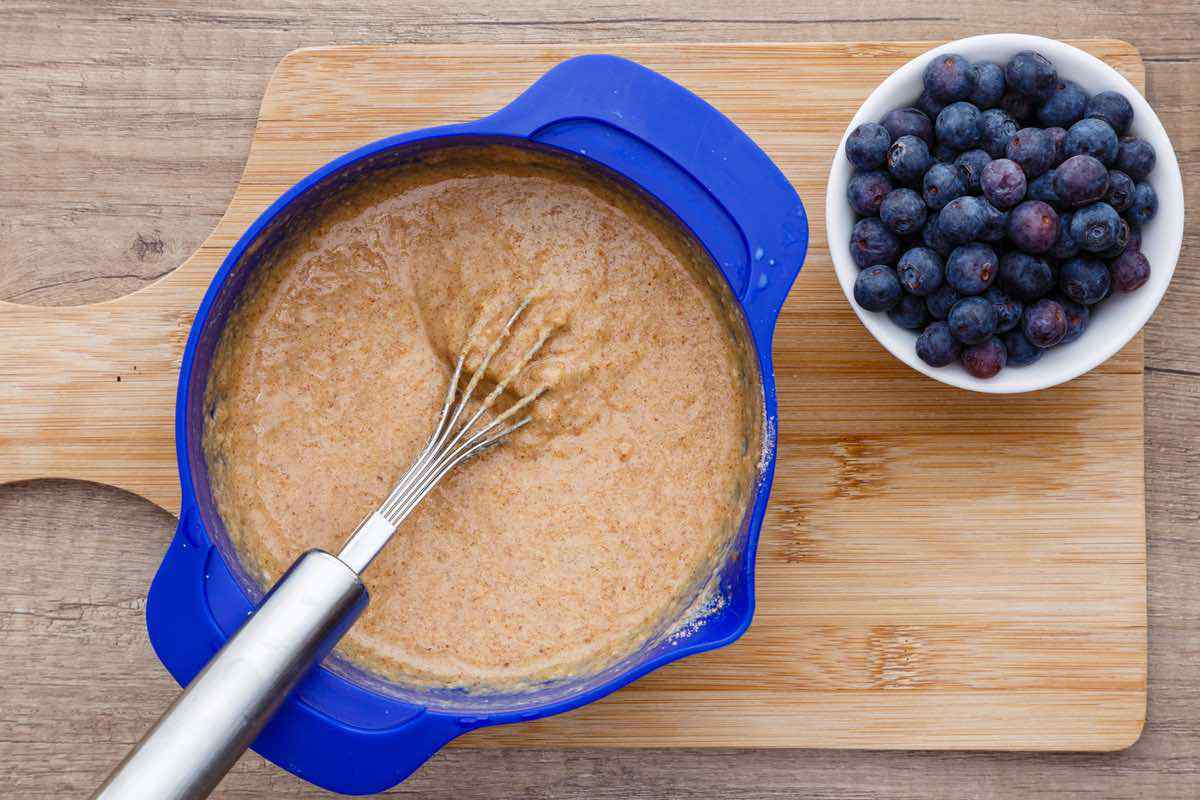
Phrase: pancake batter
(557,553)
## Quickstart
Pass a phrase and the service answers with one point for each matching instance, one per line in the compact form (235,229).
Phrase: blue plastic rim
(343,729)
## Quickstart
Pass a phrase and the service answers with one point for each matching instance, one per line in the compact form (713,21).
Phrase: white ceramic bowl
(1117,319)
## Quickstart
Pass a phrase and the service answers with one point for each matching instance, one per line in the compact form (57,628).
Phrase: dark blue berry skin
(1144,205)
(877,288)
(1119,245)
(942,183)
(908,159)
(1003,183)
(1135,157)
(970,164)
(920,271)
(1045,323)
(1135,238)
(1025,277)
(971,268)
(908,122)
(1042,188)
(1096,227)
(1033,149)
(867,145)
(941,301)
(1078,316)
(949,77)
(1113,108)
(1032,75)
(928,106)
(910,313)
(1018,107)
(903,212)
(931,237)
(1065,246)
(986,359)
(1091,137)
(1084,280)
(1059,137)
(962,220)
(996,127)
(1065,106)
(972,320)
(936,347)
(995,223)
(866,191)
(1021,352)
(1008,309)
(958,125)
(1033,226)
(989,85)
(1120,191)
(944,153)
(1129,271)
(1080,180)
(872,243)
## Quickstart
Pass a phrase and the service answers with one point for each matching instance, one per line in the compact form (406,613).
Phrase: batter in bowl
(593,529)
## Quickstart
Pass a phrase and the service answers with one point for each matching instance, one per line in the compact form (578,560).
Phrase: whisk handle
(209,726)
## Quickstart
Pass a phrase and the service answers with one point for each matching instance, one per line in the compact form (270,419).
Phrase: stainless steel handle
(211,724)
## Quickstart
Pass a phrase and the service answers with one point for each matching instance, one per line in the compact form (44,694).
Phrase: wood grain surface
(124,110)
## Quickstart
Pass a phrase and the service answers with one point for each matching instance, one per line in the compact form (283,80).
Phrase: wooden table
(124,131)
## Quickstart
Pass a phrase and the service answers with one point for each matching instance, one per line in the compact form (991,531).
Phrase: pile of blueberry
(997,212)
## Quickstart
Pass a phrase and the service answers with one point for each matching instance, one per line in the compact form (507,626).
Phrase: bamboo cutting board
(938,569)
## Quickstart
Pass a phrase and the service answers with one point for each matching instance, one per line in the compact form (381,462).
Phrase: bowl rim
(1168,184)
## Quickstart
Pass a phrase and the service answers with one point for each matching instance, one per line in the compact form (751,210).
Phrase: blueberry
(931,237)
(872,243)
(970,164)
(1018,107)
(1032,75)
(920,271)
(1092,137)
(989,84)
(1144,205)
(1065,106)
(939,302)
(928,106)
(1045,323)
(1078,316)
(1033,149)
(936,347)
(1021,351)
(1042,188)
(949,77)
(908,158)
(971,268)
(942,183)
(866,191)
(1129,271)
(1033,226)
(962,220)
(958,125)
(1118,245)
(944,153)
(1080,180)
(1120,191)
(1025,277)
(910,312)
(1084,280)
(1003,183)
(908,122)
(877,288)
(995,223)
(1096,227)
(867,145)
(972,320)
(903,211)
(996,127)
(1059,137)
(1008,309)
(1135,238)
(1135,157)
(1065,246)
(1113,108)
(985,359)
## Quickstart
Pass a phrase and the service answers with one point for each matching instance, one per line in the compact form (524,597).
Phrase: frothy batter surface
(552,555)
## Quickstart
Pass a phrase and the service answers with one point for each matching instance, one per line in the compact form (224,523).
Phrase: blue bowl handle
(655,132)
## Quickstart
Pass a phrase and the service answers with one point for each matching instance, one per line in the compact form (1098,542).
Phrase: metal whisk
(208,727)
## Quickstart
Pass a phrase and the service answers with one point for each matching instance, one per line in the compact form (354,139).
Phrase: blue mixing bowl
(352,732)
